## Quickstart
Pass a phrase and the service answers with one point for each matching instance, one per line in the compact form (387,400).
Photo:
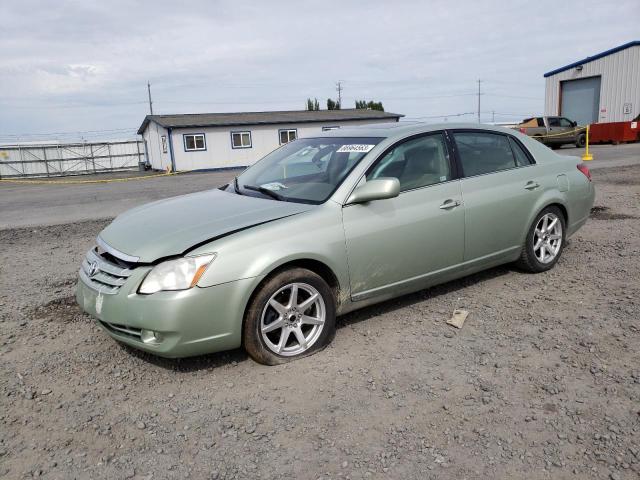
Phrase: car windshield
(306,170)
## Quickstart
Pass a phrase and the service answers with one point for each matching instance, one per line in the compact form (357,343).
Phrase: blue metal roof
(595,57)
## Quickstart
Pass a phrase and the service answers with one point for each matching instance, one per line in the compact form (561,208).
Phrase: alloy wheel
(292,320)
(547,238)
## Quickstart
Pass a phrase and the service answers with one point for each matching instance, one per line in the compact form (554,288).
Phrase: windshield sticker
(355,148)
(274,186)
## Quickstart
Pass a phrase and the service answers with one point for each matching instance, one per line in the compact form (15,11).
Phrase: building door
(580,99)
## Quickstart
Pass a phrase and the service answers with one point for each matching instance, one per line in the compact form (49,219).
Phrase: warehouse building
(223,140)
(599,89)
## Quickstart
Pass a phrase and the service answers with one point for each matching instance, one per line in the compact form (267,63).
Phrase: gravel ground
(543,380)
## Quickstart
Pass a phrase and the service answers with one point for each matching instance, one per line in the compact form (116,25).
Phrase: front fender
(314,235)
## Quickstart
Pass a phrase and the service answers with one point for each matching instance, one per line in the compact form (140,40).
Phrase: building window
(163,139)
(194,142)
(287,136)
(240,139)
(326,129)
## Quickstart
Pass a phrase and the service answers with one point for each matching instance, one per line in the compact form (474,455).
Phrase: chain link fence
(61,159)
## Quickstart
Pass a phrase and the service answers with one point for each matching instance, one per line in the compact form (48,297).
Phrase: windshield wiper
(265,191)
(235,186)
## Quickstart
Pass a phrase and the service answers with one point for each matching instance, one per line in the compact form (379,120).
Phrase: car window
(540,121)
(522,159)
(483,152)
(565,123)
(306,170)
(416,163)
(554,121)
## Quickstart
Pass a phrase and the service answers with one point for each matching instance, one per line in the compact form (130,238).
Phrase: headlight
(178,274)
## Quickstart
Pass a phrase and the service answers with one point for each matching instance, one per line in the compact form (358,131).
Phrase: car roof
(403,129)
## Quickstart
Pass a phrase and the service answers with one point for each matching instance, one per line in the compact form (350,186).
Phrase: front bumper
(188,322)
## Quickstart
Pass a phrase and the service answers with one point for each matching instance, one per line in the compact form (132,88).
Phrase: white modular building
(206,141)
(602,88)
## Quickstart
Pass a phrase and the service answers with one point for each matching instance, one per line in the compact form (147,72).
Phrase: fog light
(149,336)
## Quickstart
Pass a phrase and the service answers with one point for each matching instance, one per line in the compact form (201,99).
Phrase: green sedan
(326,225)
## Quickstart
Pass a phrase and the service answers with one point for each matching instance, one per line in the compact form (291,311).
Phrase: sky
(79,69)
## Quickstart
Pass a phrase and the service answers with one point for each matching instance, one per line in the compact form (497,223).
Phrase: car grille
(103,272)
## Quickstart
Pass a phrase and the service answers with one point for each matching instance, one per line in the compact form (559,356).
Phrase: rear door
(498,188)
(398,242)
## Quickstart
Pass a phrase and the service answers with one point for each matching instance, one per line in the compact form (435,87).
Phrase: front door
(399,242)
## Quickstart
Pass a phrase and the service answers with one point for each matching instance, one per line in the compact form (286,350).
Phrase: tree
(332,104)
(371,105)
(313,104)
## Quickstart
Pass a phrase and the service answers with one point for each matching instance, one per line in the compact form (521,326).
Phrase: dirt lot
(542,382)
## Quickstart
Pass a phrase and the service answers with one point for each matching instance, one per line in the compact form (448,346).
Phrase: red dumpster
(614,132)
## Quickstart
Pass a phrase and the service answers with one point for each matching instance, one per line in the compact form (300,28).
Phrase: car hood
(174,225)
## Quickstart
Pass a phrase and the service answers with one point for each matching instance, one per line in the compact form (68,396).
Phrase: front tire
(290,316)
(545,241)
(581,141)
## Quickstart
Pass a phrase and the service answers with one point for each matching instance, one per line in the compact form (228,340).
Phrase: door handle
(531,185)
(448,204)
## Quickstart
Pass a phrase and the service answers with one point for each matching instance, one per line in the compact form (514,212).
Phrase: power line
(512,96)
(441,116)
(92,133)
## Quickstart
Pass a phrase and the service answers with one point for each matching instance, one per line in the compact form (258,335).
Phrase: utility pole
(339,89)
(493,116)
(150,102)
(479,81)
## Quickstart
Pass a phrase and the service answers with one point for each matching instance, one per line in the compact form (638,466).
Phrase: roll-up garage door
(580,100)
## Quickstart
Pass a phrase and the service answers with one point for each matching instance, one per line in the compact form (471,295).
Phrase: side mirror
(575,124)
(377,189)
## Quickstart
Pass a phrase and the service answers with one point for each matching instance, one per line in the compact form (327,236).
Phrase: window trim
(240,132)
(287,130)
(163,143)
(196,149)
(493,132)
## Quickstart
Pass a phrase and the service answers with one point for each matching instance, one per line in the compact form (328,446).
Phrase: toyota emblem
(93,269)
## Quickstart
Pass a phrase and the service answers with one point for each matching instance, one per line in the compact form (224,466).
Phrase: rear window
(484,152)
(522,159)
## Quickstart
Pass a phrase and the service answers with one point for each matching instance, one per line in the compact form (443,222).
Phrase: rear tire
(292,315)
(545,241)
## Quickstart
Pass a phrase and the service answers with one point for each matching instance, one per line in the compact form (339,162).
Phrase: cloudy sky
(80,68)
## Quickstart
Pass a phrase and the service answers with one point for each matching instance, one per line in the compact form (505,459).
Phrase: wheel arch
(316,266)
(550,201)
(561,207)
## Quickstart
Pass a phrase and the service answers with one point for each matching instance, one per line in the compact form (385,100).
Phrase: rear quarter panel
(563,184)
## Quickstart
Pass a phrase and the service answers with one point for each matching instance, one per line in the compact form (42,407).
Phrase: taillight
(583,168)
(522,130)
